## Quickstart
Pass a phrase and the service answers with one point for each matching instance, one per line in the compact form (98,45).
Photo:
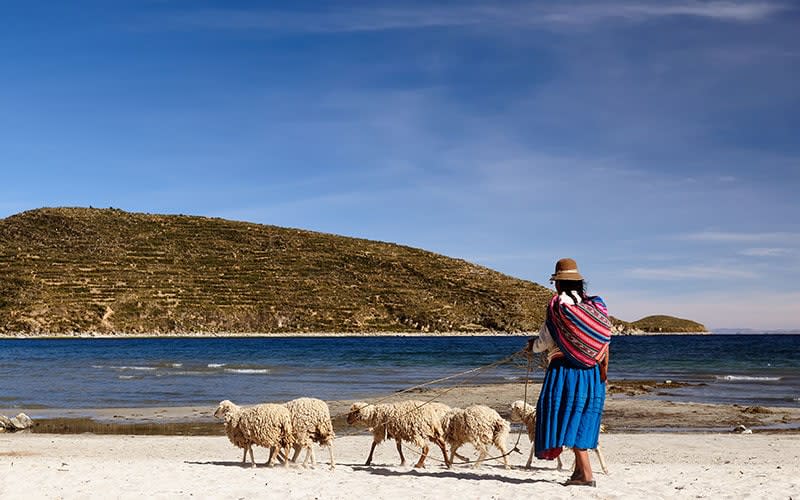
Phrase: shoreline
(627,409)
(200,335)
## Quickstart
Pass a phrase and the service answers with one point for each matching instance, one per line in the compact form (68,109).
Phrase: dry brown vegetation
(79,270)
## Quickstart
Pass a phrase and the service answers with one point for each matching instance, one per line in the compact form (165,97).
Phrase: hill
(668,324)
(82,270)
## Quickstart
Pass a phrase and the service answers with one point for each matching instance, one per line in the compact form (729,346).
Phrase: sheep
(525,413)
(413,421)
(478,425)
(311,422)
(268,425)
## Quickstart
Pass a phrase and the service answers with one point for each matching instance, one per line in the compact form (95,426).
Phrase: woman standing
(576,338)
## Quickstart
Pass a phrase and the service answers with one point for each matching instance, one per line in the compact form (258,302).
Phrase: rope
(474,373)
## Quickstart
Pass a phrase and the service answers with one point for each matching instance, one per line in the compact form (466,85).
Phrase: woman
(576,337)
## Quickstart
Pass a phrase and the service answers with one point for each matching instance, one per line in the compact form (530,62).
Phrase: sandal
(578,482)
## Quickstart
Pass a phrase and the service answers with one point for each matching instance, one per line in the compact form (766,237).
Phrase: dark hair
(572,286)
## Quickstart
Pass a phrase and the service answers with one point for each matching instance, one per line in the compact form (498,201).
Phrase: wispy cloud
(723,236)
(690,272)
(421,16)
(723,11)
(765,252)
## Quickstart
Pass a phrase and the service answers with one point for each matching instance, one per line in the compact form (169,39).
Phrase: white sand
(641,466)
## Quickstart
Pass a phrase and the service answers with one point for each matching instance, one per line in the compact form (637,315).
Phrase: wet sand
(627,409)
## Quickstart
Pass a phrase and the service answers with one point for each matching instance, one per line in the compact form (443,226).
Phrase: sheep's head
(224,408)
(520,410)
(356,412)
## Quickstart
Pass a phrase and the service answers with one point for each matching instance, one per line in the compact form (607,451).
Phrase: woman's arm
(604,365)
(544,342)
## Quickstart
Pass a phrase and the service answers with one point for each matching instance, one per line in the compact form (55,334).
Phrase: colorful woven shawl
(582,331)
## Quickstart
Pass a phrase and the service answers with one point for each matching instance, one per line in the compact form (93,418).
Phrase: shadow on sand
(453,473)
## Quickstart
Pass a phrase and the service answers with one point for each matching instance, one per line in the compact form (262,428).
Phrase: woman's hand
(529,347)
(604,366)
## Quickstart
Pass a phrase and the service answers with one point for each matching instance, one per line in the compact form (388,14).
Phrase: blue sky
(655,142)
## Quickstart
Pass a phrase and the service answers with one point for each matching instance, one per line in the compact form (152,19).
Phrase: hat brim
(566,276)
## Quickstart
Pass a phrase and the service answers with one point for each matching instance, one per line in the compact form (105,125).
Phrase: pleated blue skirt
(569,410)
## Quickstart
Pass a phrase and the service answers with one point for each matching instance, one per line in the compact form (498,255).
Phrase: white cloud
(765,252)
(723,236)
(522,14)
(690,273)
(727,11)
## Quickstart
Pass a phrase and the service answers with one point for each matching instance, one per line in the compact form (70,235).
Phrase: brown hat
(566,269)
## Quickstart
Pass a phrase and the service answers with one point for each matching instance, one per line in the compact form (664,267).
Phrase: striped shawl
(581,331)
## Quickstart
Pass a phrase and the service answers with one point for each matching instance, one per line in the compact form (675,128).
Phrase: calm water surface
(93,373)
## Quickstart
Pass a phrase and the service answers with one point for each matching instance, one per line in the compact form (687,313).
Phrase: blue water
(95,373)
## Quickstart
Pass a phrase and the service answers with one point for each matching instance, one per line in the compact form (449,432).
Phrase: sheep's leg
(443,447)
(330,451)
(400,451)
(244,456)
(421,463)
(275,454)
(297,449)
(602,459)
(252,458)
(371,450)
(311,452)
(530,457)
(453,453)
(504,454)
(481,455)
(286,450)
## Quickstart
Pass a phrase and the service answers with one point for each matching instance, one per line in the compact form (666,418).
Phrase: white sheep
(412,421)
(311,423)
(525,413)
(479,425)
(267,425)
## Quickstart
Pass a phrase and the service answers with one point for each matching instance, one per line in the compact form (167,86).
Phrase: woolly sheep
(478,425)
(413,421)
(267,425)
(525,413)
(311,422)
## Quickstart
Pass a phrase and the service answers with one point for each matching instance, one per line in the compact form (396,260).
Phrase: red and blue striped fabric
(582,331)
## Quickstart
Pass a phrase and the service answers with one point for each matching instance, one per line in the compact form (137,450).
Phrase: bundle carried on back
(581,330)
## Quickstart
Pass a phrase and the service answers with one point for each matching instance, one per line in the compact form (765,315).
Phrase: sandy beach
(697,465)
(698,458)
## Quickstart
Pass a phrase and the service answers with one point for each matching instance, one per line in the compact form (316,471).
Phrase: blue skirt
(569,409)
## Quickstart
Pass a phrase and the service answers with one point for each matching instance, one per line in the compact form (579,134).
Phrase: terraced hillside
(65,270)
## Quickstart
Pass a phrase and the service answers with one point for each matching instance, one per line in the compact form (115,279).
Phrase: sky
(657,143)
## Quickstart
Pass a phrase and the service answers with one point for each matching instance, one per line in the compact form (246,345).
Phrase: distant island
(660,324)
(86,271)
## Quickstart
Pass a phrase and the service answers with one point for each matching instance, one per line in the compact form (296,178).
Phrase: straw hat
(566,269)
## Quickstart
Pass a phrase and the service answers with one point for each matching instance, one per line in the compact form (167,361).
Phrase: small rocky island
(659,324)
(87,271)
